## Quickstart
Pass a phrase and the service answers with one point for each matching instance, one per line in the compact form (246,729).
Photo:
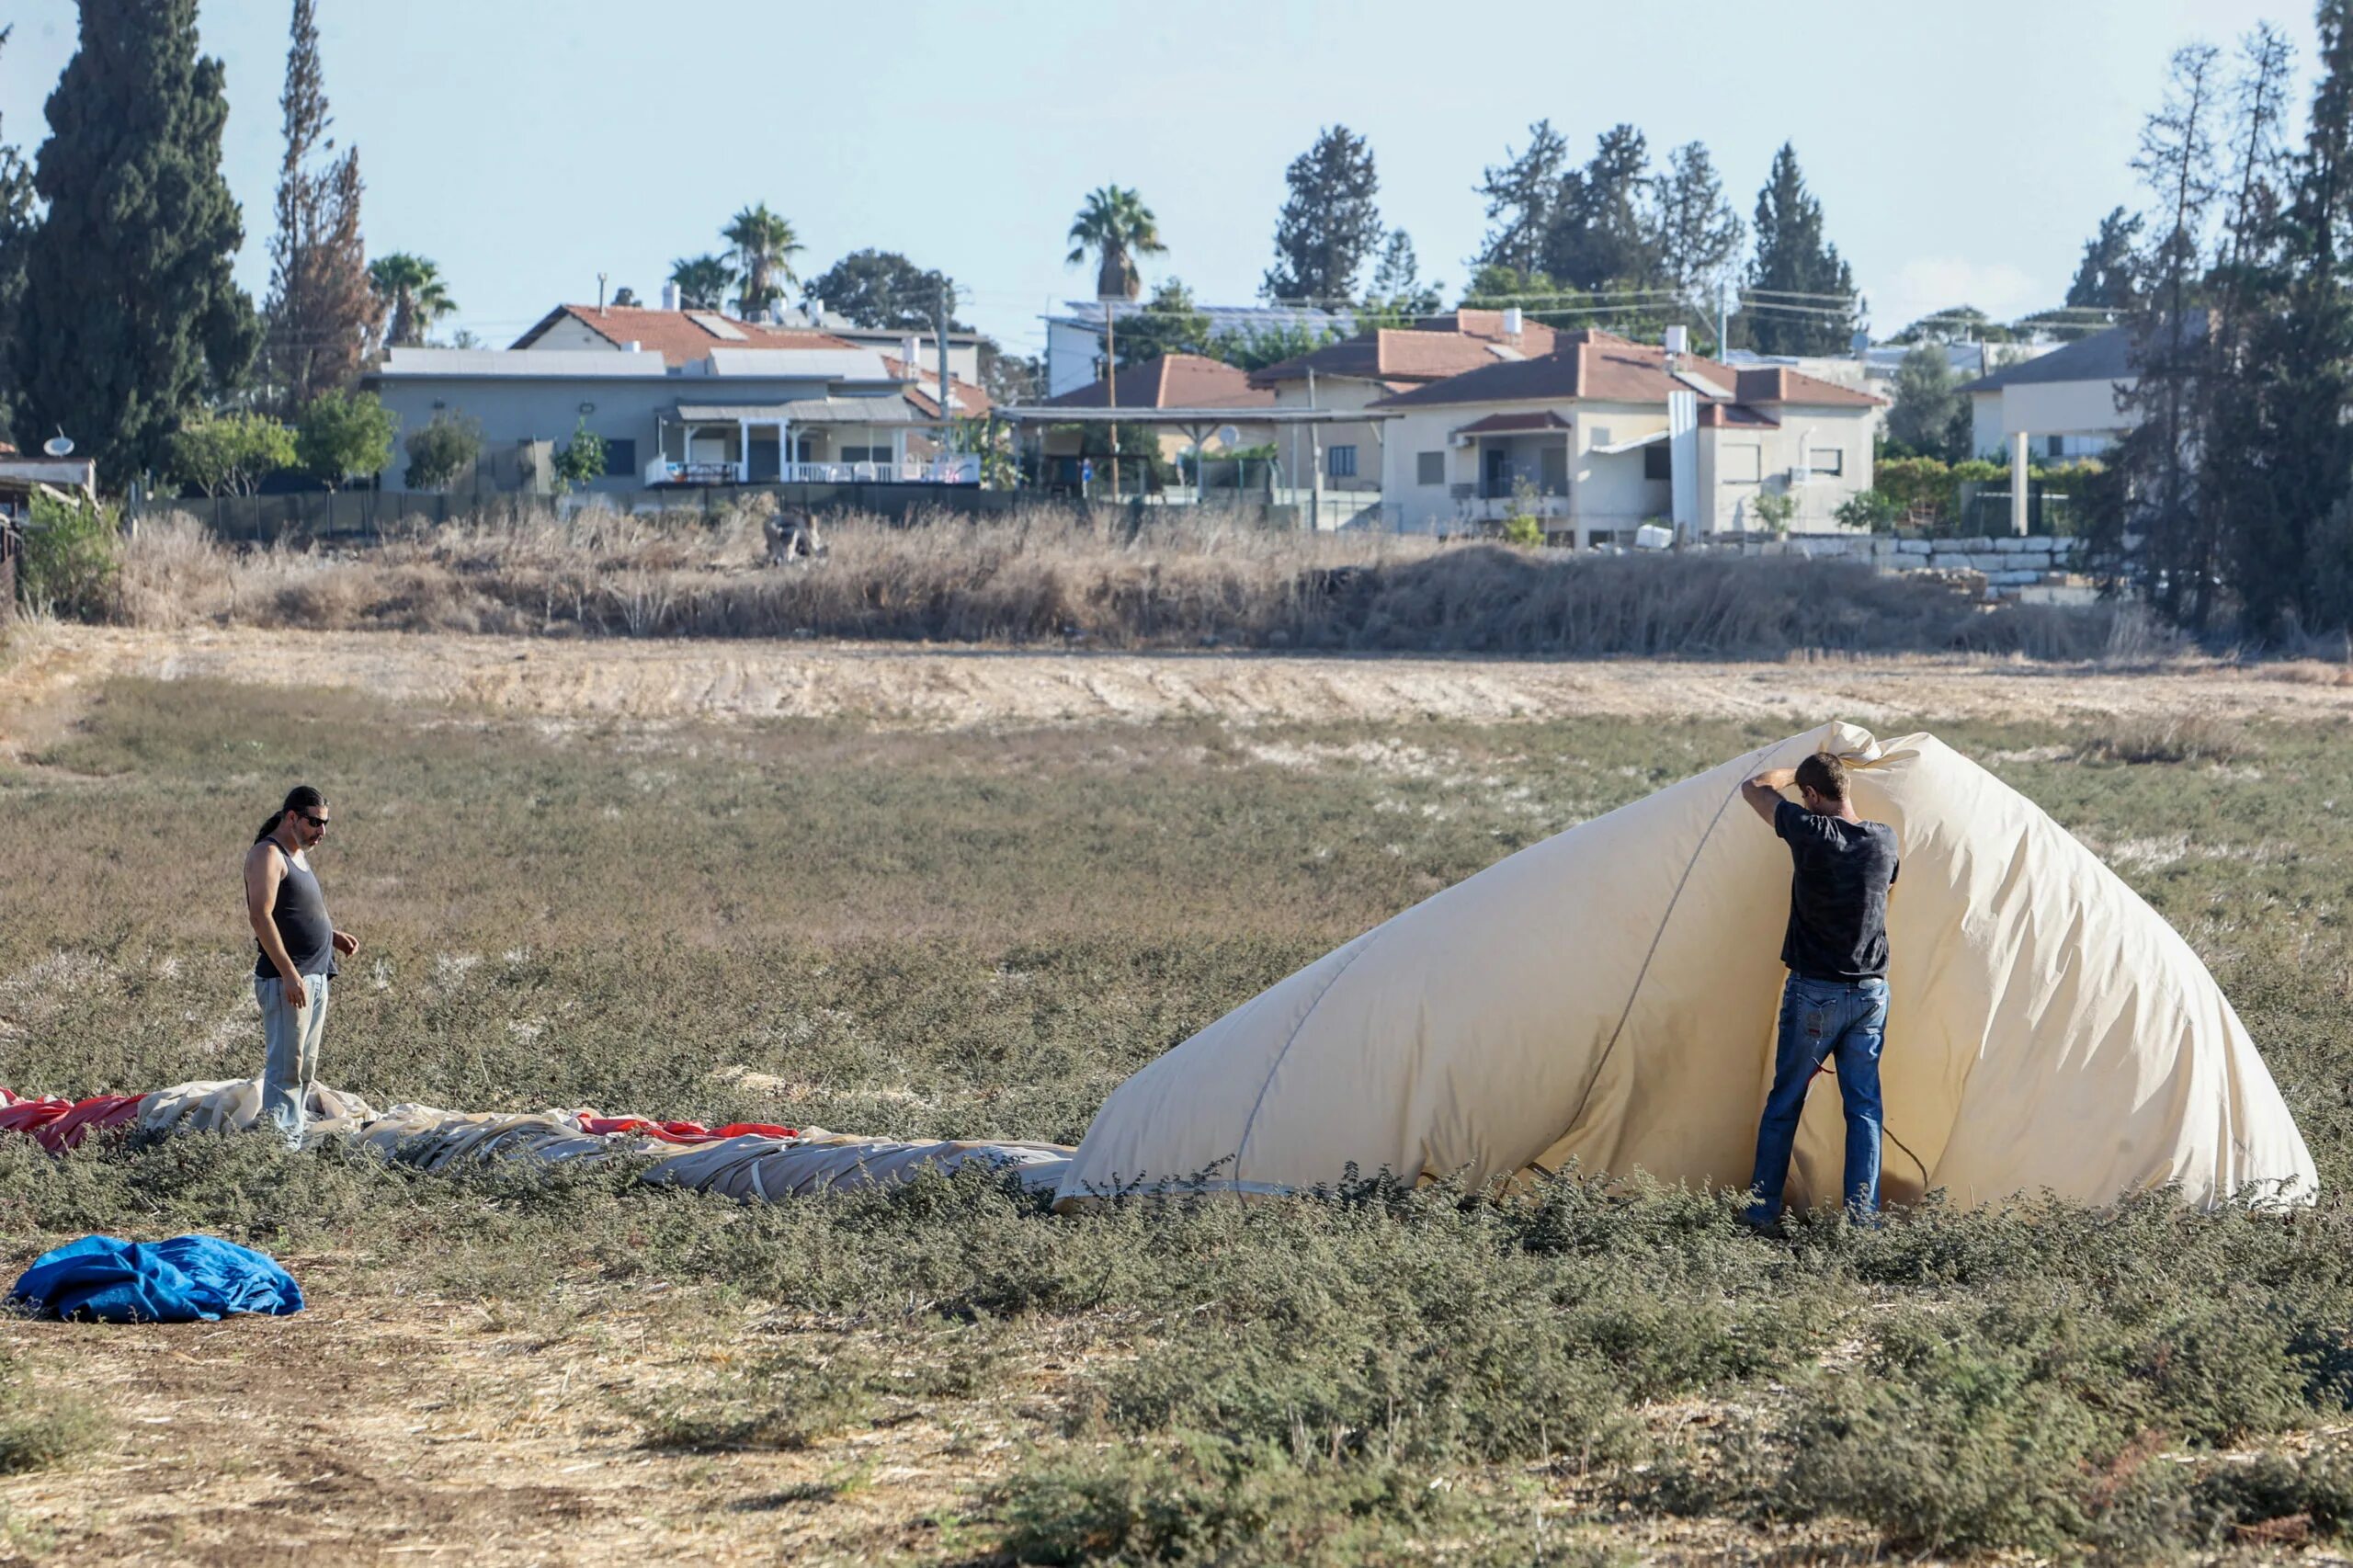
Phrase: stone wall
(2007,563)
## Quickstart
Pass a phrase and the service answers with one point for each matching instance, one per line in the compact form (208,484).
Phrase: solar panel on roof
(718,327)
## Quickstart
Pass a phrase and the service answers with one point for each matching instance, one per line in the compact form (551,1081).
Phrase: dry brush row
(1057,577)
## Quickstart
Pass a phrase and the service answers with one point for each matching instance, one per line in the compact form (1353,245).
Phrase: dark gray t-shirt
(300,916)
(1837,895)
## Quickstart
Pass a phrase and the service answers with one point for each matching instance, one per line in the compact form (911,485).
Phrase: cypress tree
(1792,258)
(321,313)
(130,313)
(16,235)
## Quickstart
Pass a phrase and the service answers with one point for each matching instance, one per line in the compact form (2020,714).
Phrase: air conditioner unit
(1461,439)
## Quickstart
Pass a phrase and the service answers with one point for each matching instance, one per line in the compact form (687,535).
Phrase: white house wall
(1296,446)
(1608,493)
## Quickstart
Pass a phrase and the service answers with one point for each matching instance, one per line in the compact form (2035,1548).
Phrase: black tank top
(300,916)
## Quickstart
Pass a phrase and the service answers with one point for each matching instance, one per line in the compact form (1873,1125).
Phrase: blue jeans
(290,1055)
(1845,1022)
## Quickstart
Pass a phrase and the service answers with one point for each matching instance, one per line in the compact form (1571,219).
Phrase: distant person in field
(299,946)
(1834,1005)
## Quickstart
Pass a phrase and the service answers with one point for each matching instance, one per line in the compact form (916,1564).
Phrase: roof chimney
(911,350)
(1511,320)
(670,296)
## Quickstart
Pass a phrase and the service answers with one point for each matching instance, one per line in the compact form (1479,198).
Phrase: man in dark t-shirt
(1834,1005)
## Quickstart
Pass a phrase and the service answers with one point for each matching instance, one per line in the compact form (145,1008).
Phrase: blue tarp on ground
(186,1279)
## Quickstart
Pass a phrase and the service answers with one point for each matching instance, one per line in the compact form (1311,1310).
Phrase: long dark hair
(301,798)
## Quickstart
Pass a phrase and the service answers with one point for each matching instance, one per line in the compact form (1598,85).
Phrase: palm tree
(1118,227)
(765,246)
(703,282)
(409,287)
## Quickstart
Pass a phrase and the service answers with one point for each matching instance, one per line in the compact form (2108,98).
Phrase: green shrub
(39,1425)
(231,453)
(1197,1498)
(578,461)
(1522,530)
(1870,511)
(448,446)
(72,553)
(345,435)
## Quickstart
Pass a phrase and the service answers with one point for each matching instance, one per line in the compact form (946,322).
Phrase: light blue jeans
(1844,1022)
(290,1056)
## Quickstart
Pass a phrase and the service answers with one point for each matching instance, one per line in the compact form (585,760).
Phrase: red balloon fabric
(61,1124)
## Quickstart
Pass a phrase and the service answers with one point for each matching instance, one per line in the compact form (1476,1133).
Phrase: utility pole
(1314,461)
(1111,390)
(939,325)
(1723,321)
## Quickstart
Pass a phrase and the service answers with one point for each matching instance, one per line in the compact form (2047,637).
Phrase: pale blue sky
(1961,152)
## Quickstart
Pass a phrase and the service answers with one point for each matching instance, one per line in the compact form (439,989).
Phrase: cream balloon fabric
(1608,996)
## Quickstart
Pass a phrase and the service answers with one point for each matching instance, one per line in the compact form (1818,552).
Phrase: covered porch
(820,440)
(1521,461)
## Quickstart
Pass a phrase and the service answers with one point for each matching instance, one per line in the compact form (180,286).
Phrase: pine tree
(2109,276)
(1397,293)
(1804,288)
(1169,324)
(1330,224)
(2151,494)
(2290,530)
(322,317)
(16,223)
(1695,235)
(2243,290)
(1521,195)
(1600,233)
(130,313)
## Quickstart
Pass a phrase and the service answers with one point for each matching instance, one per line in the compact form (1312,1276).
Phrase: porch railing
(942,470)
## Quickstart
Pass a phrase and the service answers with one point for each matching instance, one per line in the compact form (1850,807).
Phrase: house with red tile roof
(1356,372)
(682,396)
(1226,394)
(1580,437)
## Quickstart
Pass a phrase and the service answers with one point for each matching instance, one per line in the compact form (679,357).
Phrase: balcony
(1471,507)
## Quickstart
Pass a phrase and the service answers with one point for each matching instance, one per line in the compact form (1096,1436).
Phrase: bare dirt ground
(937,687)
(379,1430)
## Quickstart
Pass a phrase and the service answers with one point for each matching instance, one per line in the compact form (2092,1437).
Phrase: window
(1340,462)
(865,455)
(1657,463)
(2055,446)
(1600,537)
(1429,468)
(1739,465)
(1828,459)
(621,458)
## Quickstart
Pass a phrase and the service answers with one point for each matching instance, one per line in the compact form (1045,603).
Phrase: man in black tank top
(299,945)
(1834,1005)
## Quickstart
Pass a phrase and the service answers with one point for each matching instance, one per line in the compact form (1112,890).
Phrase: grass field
(979,933)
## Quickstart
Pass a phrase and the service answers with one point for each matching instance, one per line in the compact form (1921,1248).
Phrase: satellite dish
(1229,436)
(59,446)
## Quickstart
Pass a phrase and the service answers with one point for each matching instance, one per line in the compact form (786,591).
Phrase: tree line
(120,324)
(2229,501)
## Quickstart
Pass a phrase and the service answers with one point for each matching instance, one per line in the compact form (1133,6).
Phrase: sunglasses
(319,822)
